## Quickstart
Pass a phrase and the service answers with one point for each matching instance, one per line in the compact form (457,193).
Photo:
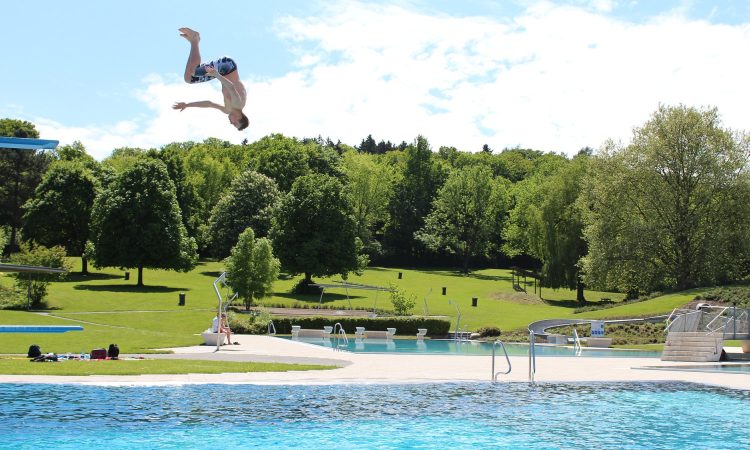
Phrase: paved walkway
(397,368)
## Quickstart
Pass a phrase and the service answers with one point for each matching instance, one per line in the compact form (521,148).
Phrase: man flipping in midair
(225,70)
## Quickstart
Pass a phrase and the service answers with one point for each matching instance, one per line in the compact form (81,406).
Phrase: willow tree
(672,208)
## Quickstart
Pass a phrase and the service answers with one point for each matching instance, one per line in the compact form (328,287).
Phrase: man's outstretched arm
(202,104)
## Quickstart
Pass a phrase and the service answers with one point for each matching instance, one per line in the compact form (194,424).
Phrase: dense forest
(668,210)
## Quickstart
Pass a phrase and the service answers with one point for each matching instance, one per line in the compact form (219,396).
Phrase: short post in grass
(444,289)
(400,275)
(182,299)
(474,301)
(127,275)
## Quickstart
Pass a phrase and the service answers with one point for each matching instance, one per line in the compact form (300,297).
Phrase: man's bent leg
(194,59)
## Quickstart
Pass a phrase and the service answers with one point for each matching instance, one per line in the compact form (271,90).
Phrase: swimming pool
(453,415)
(453,347)
(714,368)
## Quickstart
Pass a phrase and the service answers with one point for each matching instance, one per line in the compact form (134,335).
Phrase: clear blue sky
(80,65)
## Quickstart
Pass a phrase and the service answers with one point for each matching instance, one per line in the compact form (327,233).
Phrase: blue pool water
(450,346)
(459,415)
(715,368)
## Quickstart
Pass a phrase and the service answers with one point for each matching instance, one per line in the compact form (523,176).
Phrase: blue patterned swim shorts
(223,65)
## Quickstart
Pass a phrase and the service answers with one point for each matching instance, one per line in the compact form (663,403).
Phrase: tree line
(667,210)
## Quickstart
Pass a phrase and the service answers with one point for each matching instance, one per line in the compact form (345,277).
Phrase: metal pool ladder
(576,343)
(340,336)
(271,328)
(495,374)
(532,357)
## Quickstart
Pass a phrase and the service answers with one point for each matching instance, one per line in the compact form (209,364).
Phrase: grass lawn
(113,310)
(22,366)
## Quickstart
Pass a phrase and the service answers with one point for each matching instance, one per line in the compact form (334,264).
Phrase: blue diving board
(39,328)
(27,143)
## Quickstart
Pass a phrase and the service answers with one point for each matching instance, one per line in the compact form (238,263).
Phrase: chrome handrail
(507,358)
(576,343)
(340,334)
(271,326)
(532,357)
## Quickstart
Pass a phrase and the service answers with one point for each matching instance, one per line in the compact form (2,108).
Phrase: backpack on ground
(113,352)
(34,351)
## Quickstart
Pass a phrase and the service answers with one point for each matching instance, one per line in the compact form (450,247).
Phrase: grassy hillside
(113,310)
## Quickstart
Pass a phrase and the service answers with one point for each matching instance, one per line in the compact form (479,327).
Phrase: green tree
(313,231)
(250,202)
(251,267)
(413,193)
(35,284)
(402,304)
(136,222)
(283,159)
(547,223)
(20,173)
(369,187)
(671,209)
(60,210)
(463,218)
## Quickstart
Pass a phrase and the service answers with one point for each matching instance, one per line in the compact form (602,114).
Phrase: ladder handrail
(507,358)
(532,357)
(576,343)
(340,334)
(271,326)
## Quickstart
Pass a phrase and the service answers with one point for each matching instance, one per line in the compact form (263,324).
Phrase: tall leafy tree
(547,223)
(313,231)
(59,213)
(136,222)
(20,173)
(369,187)
(421,177)
(672,208)
(280,158)
(465,214)
(251,267)
(250,202)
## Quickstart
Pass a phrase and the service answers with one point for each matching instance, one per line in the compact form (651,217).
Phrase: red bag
(99,353)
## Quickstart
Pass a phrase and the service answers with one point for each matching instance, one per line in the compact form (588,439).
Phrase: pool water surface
(452,415)
(453,347)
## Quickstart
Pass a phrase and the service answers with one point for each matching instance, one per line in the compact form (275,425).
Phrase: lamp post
(458,317)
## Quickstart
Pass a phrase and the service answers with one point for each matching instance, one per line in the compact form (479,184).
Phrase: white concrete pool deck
(396,368)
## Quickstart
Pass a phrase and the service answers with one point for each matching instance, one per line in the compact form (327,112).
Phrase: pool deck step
(692,346)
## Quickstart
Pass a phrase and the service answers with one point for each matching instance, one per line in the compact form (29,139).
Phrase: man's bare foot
(190,35)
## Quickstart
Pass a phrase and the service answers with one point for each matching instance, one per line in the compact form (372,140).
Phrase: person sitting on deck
(220,326)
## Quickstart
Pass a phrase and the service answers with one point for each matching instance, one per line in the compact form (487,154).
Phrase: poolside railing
(507,358)
(532,356)
(271,328)
(730,321)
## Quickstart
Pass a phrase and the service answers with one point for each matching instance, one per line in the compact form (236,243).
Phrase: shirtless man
(225,70)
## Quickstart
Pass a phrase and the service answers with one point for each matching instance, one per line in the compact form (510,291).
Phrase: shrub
(402,305)
(35,284)
(489,332)
(739,295)
(403,325)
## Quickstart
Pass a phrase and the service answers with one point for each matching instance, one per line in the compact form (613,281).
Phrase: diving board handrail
(507,358)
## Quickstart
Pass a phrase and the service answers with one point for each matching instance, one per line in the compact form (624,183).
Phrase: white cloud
(555,78)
